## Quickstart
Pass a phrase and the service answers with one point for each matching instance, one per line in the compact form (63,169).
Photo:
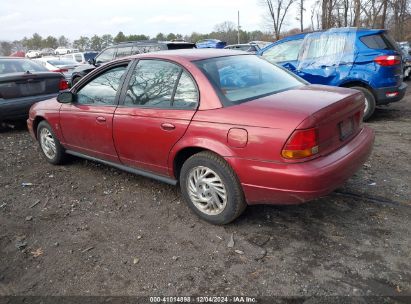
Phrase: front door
(87,123)
(159,103)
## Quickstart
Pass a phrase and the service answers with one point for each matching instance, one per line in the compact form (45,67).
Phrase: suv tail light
(63,85)
(301,144)
(387,60)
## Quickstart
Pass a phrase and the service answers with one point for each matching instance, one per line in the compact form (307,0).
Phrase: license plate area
(346,128)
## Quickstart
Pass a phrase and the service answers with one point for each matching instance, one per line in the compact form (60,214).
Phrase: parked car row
(49,51)
(126,49)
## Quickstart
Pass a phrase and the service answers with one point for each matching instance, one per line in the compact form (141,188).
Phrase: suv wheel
(211,188)
(369,102)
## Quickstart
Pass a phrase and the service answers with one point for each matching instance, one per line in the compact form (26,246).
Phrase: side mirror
(92,61)
(66,97)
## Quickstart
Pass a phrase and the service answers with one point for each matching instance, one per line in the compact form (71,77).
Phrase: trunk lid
(16,85)
(336,113)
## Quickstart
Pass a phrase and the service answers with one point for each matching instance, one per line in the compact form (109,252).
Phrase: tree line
(226,31)
(394,15)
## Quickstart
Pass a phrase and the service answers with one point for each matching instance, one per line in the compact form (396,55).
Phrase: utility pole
(238,27)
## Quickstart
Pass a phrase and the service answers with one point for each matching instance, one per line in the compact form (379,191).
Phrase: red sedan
(229,127)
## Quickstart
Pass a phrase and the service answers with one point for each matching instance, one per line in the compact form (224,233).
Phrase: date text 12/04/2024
(204,299)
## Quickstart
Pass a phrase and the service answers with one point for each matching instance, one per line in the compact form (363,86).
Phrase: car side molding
(160,178)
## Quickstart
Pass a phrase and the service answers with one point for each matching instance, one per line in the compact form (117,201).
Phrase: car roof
(335,30)
(192,54)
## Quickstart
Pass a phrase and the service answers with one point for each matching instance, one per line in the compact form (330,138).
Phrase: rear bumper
(18,108)
(381,94)
(280,183)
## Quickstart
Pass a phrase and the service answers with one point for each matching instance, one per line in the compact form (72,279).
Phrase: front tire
(211,188)
(369,102)
(50,146)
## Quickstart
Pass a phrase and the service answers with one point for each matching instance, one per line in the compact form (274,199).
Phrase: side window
(102,90)
(123,51)
(286,51)
(106,55)
(154,84)
(186,95)
(325,45)
(78,57)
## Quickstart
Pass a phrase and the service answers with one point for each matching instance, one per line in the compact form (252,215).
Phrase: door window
(106,55)
(287,51)
(160,84)
(123,52)
(103,89)
(325,45)
(78,57)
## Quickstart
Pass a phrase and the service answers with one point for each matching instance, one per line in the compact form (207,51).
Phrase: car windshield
(242,78)
(19,65)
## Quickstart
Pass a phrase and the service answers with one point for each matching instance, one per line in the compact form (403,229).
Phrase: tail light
(301,144)
(60,70)
(387,60)
(358,118)
(63,85)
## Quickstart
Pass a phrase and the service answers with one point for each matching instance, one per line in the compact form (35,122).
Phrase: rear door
(87,124)
(326,57)
(158,104)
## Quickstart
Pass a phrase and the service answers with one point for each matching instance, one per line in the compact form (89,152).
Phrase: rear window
(379,42)
(242,78)
(20,65)
(178,46)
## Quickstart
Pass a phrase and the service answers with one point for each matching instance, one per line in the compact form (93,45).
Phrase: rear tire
(211,188)
(50,146)
(369,102)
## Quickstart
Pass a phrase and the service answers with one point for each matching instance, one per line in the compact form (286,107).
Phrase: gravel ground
(87,229)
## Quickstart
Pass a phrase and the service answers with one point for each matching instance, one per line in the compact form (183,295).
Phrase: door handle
(167,126)
(101,119)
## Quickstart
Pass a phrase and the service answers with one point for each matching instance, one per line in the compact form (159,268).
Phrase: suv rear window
(379,42)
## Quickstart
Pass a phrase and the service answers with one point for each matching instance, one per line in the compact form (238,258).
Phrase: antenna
(238,27)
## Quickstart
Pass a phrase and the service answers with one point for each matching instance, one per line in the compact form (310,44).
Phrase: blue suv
(364,59)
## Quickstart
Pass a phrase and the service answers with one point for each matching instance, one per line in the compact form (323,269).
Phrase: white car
(63,50)
(33,54)
(59,65)
(80,57)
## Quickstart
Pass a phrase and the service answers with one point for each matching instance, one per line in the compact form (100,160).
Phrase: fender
(198,142)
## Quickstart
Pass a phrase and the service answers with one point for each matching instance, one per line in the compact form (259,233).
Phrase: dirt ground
(87,229)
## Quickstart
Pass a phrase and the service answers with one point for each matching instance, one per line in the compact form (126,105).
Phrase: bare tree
(277,9)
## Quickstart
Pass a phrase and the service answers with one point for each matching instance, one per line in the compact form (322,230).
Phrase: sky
(75,18)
